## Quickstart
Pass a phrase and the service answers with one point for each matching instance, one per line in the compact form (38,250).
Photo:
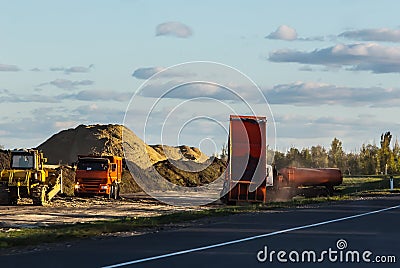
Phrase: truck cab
(98,175)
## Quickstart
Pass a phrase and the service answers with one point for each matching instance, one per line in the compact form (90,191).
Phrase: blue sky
(327,68)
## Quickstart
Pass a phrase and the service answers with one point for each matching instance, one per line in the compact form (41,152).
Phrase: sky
(326,69)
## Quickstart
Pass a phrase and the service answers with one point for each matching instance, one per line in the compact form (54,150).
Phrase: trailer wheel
(330,190)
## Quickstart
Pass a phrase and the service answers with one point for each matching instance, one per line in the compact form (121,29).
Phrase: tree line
(370,160)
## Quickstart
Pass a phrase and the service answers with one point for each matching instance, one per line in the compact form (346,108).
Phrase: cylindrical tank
(295,177)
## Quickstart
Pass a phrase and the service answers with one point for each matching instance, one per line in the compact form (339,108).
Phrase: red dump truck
(247,170)
(98,175)
(248,177)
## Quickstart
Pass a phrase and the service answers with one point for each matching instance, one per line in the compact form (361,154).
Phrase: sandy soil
(70,210)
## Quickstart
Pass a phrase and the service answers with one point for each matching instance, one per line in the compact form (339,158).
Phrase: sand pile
(208,171)
(64,147)
(5,157)
(182,152)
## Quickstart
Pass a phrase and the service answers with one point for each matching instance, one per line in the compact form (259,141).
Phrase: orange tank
(294,177)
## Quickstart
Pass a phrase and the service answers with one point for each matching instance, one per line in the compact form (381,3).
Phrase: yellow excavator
(29,177)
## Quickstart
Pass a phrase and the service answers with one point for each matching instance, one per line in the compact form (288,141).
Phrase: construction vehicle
(246,175)
(29,177)
(98,175)
(249,178)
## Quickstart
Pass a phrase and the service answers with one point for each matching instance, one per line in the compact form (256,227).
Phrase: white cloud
(89,114)
(9,68)
(178,90)
(64,124)
(364,56)
(84,95)
(68,84)
(147,72)
(314,93)
(306,68)
(380,34)
(73,69)
(99,95)
(283,32)
(9,97)
(297,93)
(173,28)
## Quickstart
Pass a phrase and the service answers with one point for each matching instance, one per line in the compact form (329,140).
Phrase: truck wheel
(117,192)
(114,191)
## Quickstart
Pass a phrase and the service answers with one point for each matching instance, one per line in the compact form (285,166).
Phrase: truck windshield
(22,161)
(92,165)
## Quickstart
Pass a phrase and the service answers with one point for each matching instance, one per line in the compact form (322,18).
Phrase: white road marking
(248,238)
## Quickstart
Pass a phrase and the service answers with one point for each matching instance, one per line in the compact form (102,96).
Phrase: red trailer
(246,173)
(303,177)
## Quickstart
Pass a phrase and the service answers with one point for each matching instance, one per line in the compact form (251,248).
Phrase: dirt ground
(71,210)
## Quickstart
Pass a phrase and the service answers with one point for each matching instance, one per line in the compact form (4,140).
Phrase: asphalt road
(377,233)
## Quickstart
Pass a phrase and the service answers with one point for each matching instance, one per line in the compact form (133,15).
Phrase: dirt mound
(209,171)
(64,147)
(182,152)
(5,157)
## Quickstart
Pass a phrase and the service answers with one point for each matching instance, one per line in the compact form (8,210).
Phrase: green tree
(306,157)
(336,155)
(385,154)
(293,157)
(396,155)
(368,159)
(224,151)
(353,164)
(319,157)
(280,160)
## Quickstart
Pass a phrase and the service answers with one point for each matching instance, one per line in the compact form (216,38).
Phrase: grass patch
(355,186)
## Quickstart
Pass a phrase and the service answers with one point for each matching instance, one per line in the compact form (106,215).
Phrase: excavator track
(4,195)
(39,196)
(8,195)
